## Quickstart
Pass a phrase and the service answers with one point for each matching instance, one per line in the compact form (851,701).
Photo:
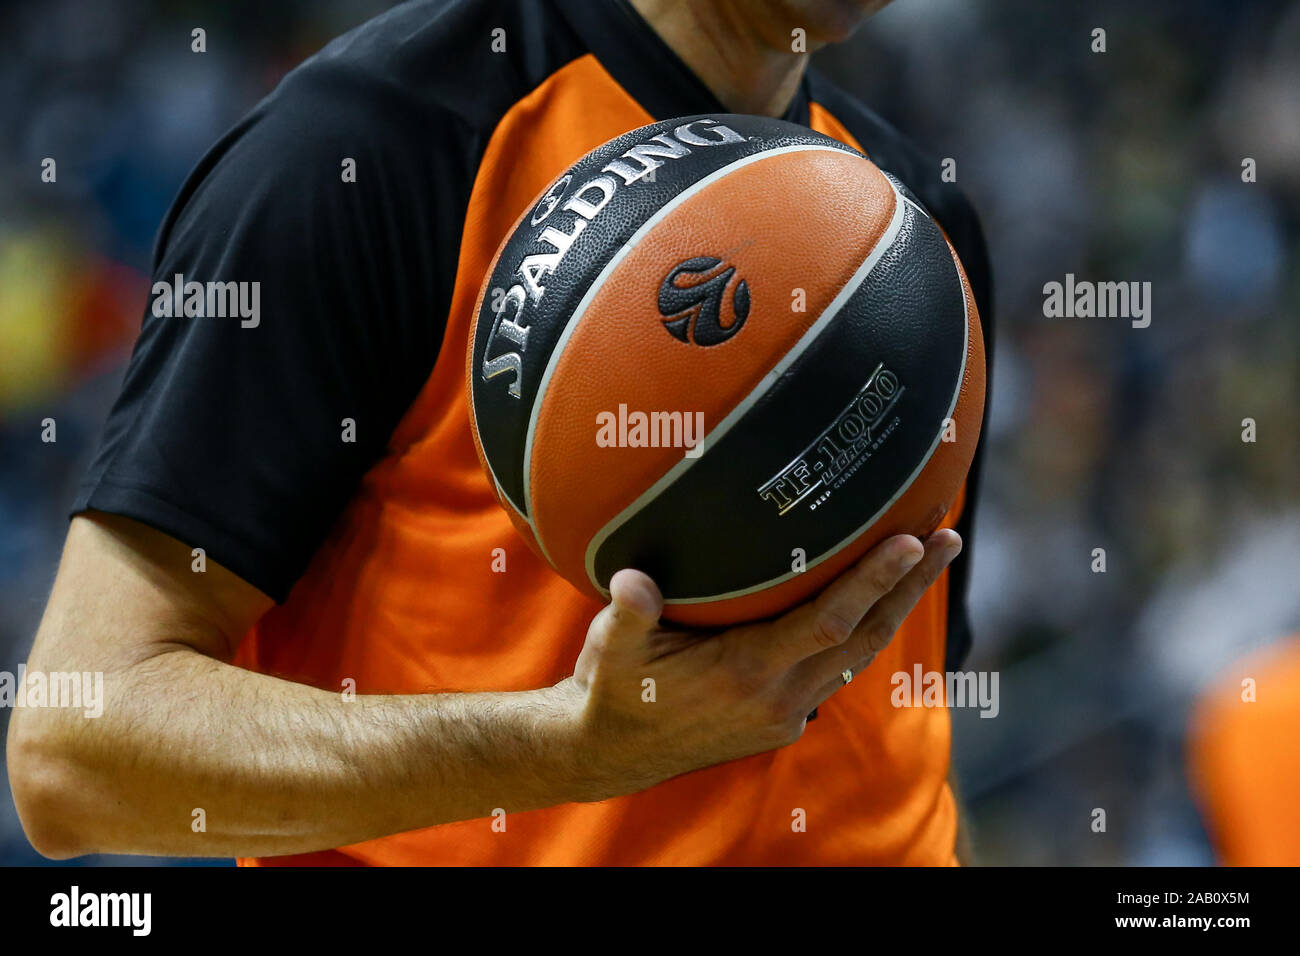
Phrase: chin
(832,21)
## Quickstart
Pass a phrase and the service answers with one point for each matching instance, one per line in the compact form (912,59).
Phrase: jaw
(827,21)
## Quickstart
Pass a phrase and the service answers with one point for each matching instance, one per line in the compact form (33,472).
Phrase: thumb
(621,631)
(635,602)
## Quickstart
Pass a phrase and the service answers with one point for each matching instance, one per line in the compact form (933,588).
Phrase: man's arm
(276,767)
(279,768)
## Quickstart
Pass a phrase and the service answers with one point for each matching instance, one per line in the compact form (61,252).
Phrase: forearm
(277,767)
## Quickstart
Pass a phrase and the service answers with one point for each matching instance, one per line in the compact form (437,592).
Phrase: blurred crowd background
(1116,166)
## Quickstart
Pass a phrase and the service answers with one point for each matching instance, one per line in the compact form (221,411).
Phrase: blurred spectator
(1245,756)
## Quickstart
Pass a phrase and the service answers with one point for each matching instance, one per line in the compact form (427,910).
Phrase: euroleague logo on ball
(693,310)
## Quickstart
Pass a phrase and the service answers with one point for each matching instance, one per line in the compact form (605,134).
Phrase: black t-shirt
(227,432)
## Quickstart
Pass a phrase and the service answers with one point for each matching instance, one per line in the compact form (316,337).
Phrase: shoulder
(465,59)
(409,99)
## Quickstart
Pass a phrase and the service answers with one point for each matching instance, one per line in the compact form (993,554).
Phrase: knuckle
(882,577)
(879,634)
(930,571)
(831,627)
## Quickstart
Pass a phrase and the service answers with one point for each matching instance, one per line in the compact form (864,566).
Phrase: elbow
(46,793)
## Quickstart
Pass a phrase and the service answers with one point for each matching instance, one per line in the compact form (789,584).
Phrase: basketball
(729,352)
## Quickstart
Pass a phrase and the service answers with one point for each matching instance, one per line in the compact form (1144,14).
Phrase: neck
(721,42)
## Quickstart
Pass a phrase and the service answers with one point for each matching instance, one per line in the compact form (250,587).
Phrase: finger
(635,604)
(886,617)
(878,627)
(830,619)
(635,599)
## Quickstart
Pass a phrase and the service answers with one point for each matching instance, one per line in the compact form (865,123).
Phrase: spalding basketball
(729,352)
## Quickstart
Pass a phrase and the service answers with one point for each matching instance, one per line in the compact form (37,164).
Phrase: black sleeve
(228,435)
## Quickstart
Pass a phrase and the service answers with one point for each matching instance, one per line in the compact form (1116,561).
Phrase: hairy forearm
(196,757)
